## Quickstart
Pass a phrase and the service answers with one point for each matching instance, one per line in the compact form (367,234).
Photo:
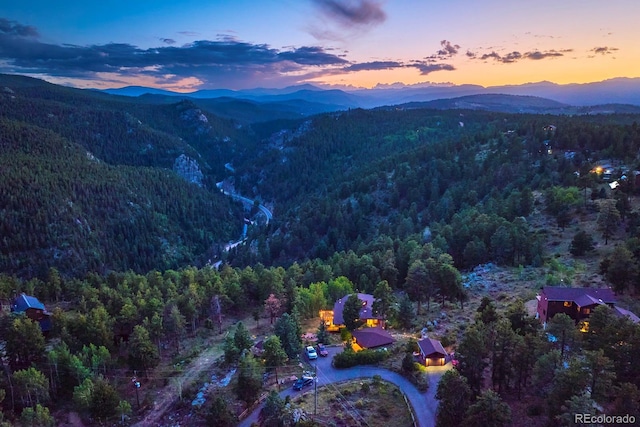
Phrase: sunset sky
(189,45)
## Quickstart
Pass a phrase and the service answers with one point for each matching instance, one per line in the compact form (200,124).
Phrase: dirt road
(167,396)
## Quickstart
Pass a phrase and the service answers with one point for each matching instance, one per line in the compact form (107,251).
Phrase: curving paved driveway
(424,404)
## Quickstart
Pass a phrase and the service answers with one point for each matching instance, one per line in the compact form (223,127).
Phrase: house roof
(581,296)
(372,337)
(430,347)
(620,312)
(24,302)
(366,311)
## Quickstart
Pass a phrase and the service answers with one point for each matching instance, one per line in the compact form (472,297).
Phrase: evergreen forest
(130,253)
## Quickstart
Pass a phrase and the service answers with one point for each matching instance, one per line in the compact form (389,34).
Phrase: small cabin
(33,309)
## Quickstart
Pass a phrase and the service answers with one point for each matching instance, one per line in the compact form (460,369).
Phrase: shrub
(412,345)
(350,358)
(408,363)
(345,335)
(448,339)
(377,380)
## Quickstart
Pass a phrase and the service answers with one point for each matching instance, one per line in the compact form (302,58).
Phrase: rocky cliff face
(188,169)
(196,118)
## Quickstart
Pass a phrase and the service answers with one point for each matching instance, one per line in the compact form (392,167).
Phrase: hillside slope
(88,182)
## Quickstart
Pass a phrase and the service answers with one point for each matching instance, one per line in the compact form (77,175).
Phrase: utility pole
(136,385)
(315,391)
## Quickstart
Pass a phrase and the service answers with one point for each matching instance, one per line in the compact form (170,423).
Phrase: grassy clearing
(374,403)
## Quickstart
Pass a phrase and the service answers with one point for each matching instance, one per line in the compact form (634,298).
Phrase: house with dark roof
(432,353)
(622,312)
(372,337)
(33,309)
(334,319)
(577,303)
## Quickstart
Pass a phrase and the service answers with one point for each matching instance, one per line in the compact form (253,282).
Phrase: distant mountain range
(309,99)
(516,104)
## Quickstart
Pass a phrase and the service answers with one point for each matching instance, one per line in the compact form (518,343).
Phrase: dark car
(322,350)
(302,382)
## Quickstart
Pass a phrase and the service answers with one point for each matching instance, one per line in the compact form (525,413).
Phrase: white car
(311,353)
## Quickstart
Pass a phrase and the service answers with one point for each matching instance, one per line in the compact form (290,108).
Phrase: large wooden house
(577,303)
(334,319)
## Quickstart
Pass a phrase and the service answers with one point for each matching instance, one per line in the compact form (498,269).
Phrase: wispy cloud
(604,50)
(353,12)
(167,41)
(537,55)
(516,56)
(429,67)
(374,65)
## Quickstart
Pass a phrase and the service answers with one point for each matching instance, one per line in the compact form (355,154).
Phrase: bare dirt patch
(358,403)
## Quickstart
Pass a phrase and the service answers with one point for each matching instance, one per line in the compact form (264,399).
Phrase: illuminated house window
(586,311)
(567,303)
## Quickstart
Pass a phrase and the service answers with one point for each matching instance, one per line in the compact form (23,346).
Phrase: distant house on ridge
(33,309)
(577,303)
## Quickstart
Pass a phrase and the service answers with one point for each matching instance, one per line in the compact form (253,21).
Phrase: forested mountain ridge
(363,174)
(87,182)
(339,181)
(63,208)
(122,130)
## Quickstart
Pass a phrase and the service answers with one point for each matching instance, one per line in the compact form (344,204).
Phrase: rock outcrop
(188,169)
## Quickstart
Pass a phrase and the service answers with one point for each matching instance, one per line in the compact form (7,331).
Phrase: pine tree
(143,354)
(249,378)
(581,243)
(351,312)
(454,394)
(488,411)
(406,314)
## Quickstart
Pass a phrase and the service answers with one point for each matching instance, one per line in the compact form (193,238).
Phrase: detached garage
(432,353)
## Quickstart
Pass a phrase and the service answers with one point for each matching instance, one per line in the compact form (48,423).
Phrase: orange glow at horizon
(559,71)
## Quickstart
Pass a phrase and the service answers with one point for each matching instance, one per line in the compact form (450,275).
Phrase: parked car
(300,383)
(311,353)
(322,350)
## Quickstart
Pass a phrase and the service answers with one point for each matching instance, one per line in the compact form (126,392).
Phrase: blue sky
(190,45)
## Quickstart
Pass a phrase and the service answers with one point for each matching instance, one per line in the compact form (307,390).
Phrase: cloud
(516,56)
(220,63)
(448,50)
(537,55)
(375,65)
(353,12)
(604,50)
(189,33)
(311,55)
(13,28)
(492,55)
(429,67)
(167,41)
